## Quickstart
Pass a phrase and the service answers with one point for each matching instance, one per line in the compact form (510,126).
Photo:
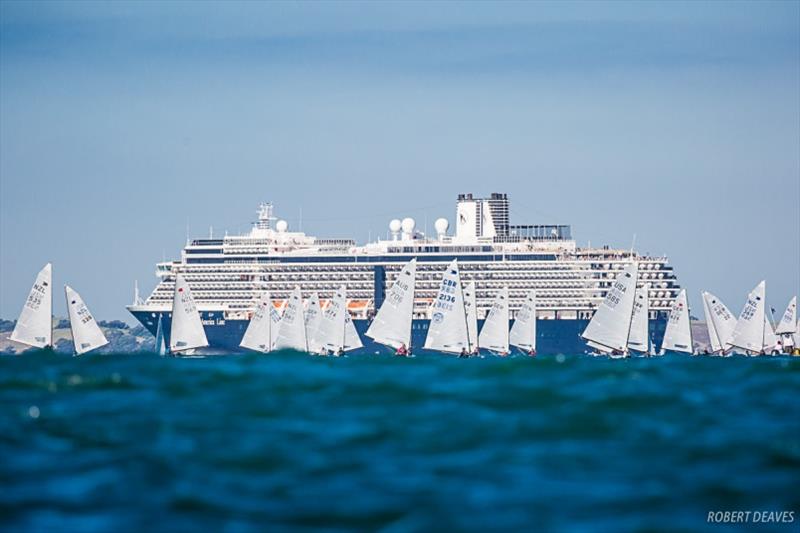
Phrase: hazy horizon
(123,123)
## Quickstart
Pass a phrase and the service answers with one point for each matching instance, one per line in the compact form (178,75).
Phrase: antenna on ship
(265,216)
(137,300)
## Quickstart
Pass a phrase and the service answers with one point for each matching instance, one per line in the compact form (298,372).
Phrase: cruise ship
(228,275)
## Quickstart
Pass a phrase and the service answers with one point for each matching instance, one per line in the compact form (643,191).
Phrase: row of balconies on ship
(551,285)
(658,299)
(245,281)
(390,275)
(644,265)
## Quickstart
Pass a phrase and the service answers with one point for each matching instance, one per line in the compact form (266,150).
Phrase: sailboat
(448,327)
(787,325)
(187,333)
(352,341)
(262,327)
(86,334)
(161,345)
(471,310)
(678,333)
(639,337)
(523,332)
(748,335)
(35,324)
(313,316)
(770,339)
(796,339)
(392,323)
(719,321)
(494,334)
(609,329)
(336,331)
(291,333)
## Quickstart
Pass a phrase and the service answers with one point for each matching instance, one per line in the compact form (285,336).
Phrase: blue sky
(121,123)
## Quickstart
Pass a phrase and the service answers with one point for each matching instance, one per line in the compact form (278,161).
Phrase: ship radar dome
(395,225)
(282,226)
(441,226)
(408,225)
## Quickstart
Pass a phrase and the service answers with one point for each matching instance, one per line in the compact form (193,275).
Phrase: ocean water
(288,442)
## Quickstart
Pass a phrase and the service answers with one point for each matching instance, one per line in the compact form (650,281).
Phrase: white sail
(292,327)
(86,334)
(471,310)
(35,324)
(187,331)
(161,345)
(523,332)
(770,339)
(678,334)
(392,324)
(313,318)
(639,337)
(748,334)
(609,328)
(331,334)
(723,321)
(789,319)
(336,330)
(448,327)
(351,339)
(494,334)
(262,326)
(713,337)
(796,336)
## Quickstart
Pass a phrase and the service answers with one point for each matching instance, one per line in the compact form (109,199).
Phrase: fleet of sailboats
(619,327)
(34,327)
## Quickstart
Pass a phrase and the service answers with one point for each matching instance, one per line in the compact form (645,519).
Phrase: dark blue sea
(289,442)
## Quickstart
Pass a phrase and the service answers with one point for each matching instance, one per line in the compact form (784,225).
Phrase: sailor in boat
(463,354)
(532,352)
(402,351)
(340,352)
(475,352)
